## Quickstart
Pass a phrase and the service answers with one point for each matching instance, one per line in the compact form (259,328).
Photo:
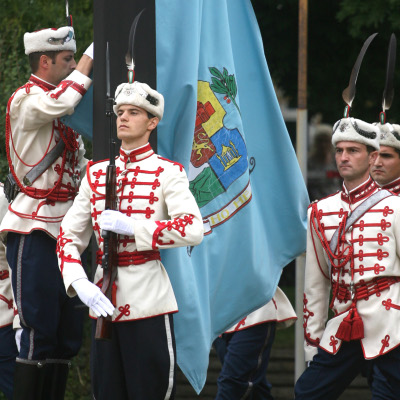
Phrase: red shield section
(203,148)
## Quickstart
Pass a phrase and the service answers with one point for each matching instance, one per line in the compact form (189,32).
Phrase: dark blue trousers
(138,363)
(328,375)
(244,356)
(8,353)
(52,322)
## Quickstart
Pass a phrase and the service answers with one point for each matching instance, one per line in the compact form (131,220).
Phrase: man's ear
(153,123)
(44,61)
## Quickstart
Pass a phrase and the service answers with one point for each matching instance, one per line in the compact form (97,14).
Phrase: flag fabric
(222,121)
(82,118)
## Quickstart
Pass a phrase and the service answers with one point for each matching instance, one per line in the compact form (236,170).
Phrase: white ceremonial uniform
(33,128)
(369,260)
(155,193)
(278,309)
(393,186)
(6,294)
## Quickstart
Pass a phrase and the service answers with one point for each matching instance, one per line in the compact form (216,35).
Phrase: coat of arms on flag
(219,154)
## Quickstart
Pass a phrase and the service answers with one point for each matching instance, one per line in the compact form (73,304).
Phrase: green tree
(336,32)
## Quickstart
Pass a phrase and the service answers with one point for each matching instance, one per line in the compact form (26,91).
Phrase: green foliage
(336,32)
(18,17)
(78,386)
(379,15)
(224,83)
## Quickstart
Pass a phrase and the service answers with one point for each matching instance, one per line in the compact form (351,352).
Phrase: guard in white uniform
(45,160)
(386,169)
(353,248)
(8,347)
(156,210)
(386,173)
(244,350)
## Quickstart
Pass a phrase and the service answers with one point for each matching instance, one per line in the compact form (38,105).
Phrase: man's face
(386,167)
(134,126)
(64,64)
(353,161)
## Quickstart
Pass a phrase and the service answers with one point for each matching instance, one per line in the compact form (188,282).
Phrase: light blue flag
(222,121)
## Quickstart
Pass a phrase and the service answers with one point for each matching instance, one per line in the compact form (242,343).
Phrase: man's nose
(73,64)
(378,161)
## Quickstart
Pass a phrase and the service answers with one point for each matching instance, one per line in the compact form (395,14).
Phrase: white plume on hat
(140,95)
(389,135)
(354,130)
(50,39)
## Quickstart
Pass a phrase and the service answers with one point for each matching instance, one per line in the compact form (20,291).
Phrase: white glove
(117,222)
(91,295)
(18,333)
(89,51)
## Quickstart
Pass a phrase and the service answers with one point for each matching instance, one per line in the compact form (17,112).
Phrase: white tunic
(6,295)
(33,128)
(155,193)
(279,309)
(373,268)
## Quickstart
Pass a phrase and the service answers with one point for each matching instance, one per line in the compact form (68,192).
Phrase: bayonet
(69,17)
(350,92)
(108,85)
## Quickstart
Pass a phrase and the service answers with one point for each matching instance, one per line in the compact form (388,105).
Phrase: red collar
(393,186)
(40,82)
(137,154)
(361,192)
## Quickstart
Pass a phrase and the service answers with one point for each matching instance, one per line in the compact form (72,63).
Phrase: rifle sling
(38,169)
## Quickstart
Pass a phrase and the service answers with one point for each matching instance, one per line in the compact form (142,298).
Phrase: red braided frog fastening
(61,242)
(178,224)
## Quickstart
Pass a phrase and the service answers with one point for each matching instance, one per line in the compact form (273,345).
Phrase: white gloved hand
(18,333)
(89,51)
(91,295)
(117,222)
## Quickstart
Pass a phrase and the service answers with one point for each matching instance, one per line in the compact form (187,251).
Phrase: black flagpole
(112,22)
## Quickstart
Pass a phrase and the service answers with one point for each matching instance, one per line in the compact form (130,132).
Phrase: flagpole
(301,151)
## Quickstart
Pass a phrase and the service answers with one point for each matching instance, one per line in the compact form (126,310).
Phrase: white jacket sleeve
(75,233)
(316,293)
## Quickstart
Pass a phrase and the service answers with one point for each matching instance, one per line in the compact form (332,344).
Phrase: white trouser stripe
(171,357)
(19,290)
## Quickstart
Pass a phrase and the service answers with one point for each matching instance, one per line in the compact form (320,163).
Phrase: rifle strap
(12,188)
(38,169)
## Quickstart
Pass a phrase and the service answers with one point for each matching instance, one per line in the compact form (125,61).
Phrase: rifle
(110,245)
